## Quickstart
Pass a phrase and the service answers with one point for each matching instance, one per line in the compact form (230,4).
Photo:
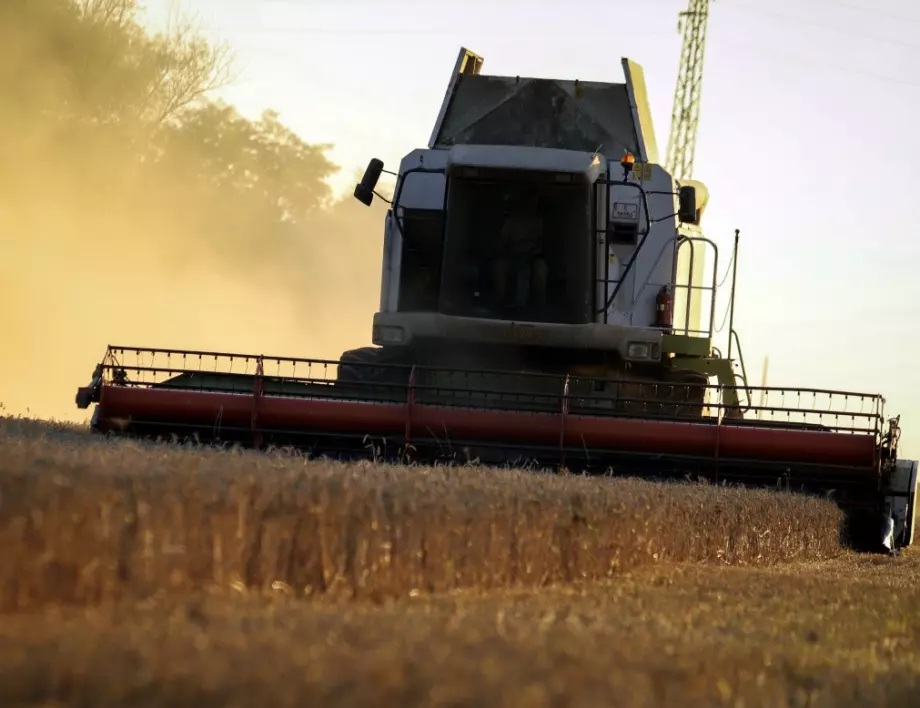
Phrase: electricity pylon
(685,115)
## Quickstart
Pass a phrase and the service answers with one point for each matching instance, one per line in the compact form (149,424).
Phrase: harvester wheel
(677,393)
(687,389)
(357,366)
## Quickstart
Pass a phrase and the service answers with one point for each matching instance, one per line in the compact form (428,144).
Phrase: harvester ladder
(601,236)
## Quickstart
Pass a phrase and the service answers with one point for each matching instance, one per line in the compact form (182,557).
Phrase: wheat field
(146,575)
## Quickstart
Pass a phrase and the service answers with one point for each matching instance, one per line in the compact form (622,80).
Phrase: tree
(246,189)
(133,204)
(100,114)
(90,62)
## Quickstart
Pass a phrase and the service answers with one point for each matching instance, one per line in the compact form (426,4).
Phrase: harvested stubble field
(145,576)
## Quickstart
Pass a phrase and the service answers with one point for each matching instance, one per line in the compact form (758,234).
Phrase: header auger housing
(544,294)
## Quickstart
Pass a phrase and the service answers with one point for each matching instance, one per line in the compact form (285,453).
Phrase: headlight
(638,350)
(388,334)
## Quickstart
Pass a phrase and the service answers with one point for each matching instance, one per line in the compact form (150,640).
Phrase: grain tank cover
(480,109)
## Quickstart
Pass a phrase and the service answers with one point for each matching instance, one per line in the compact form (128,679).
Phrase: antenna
(686,112)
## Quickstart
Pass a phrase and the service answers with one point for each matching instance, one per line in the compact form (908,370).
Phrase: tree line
(129,193)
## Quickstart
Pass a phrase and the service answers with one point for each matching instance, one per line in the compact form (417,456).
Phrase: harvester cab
(547,296)
(537,227)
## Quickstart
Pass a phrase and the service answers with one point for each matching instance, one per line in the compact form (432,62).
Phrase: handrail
(689,286)
(744,378)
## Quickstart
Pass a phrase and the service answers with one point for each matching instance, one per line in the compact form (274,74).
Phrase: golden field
(141,575)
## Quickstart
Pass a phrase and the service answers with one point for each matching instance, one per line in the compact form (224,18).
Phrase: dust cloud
(131,217)
(74,284)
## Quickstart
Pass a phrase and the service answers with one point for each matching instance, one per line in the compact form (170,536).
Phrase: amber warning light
(627,161)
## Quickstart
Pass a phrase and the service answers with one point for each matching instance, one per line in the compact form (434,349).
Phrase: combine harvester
(545,298)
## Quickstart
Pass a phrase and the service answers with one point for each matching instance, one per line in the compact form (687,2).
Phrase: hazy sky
(807,140)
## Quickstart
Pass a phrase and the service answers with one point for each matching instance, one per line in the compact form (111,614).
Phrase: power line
(912,19)
(387,32)
(801,59)
(736,4)
(745,46)
(800,20)
(718,40)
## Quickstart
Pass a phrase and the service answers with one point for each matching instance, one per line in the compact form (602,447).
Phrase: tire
(356,366)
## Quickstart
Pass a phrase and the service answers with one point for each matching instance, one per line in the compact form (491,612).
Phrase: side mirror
(687,212)
(364,191)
